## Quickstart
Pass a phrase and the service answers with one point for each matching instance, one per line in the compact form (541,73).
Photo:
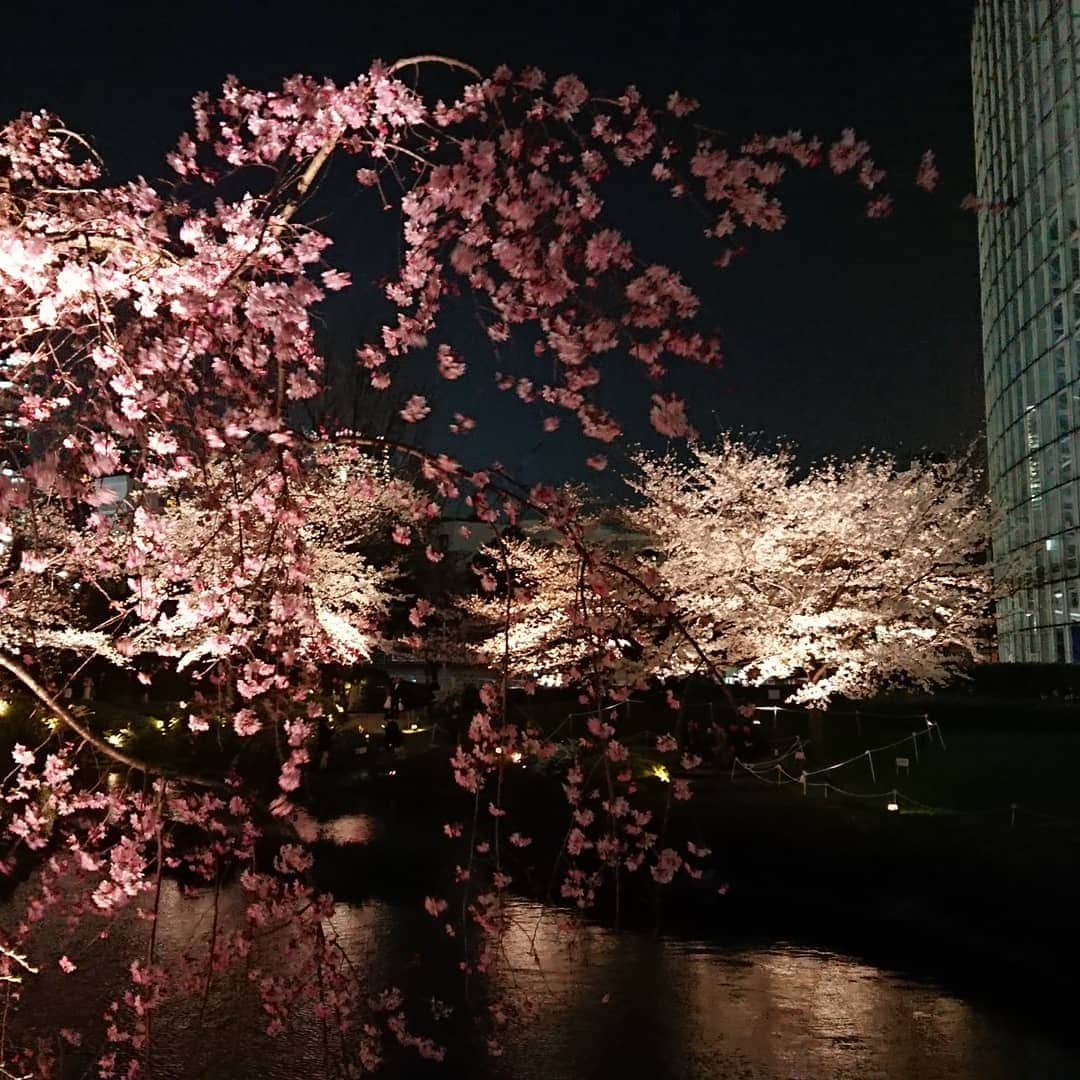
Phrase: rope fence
(774,773)
(931,730)
(895,799)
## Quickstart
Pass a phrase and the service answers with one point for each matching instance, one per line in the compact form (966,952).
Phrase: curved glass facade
(1025,65)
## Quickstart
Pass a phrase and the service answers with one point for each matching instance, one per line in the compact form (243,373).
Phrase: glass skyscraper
(1025,60)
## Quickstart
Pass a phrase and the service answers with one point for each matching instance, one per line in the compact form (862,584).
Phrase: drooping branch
(315,165)
(49,701)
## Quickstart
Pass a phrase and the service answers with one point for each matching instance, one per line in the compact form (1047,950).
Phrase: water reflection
(632,1005)
(343,830)
(349,829)
(608,1005)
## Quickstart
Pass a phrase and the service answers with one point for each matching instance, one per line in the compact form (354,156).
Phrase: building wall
(1025,64)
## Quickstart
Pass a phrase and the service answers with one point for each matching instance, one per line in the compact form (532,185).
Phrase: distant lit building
(1025,61)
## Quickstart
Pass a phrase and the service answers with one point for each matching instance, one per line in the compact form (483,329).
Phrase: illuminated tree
(166,568)
(847,577)
(530,598)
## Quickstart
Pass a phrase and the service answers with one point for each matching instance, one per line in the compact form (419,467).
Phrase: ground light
(893,806)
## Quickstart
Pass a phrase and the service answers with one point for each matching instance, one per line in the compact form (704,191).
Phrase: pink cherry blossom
(928,175)
(336,280)
(668,416)
(416,408)
(450,365)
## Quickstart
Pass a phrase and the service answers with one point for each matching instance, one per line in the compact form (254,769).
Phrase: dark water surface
(610,1005)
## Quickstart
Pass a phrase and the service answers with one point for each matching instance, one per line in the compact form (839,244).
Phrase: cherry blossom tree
(174,559)
(555,607)
(158,347)
(528,596)
(848,577)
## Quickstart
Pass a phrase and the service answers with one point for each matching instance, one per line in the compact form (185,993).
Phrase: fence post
(937,727)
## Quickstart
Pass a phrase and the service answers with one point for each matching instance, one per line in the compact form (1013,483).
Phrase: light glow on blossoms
(849,577)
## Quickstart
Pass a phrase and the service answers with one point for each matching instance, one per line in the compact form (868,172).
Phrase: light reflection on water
(343,830)
(349,829)
(608,1005)
(633,1005)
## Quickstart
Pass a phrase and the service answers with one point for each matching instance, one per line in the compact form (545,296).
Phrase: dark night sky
(840,333)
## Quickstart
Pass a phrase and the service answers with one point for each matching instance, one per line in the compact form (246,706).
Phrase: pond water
(609,1005)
